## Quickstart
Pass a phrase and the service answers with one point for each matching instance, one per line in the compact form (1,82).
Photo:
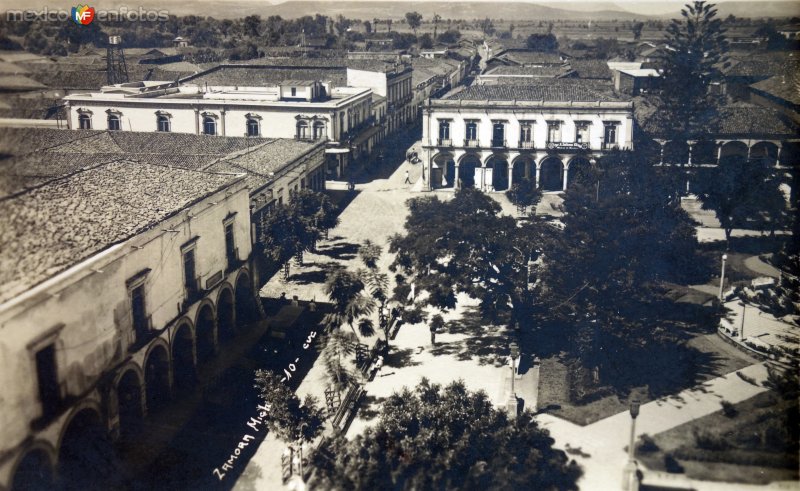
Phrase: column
(455,178)
(566,173)
(510,174)
(690,154)
(778,155)
(538,174)
(527,170)
(222,122)
(749,148)
(197,121)
(661,156)
(428,165)
(719,152)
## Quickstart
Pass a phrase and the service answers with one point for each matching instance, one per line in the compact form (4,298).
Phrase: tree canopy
(434,437)
(542,42)
(414,20)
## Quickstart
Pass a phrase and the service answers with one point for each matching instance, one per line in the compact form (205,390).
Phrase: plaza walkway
(600,448)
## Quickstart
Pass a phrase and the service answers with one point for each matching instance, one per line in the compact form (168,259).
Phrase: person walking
(408,180)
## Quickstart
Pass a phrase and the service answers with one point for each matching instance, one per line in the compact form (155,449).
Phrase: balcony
(498,143)
(193,293)
(526,144)
(445,142)
(609,146)
(472,143)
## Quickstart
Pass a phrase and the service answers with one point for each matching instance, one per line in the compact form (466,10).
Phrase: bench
(347,409)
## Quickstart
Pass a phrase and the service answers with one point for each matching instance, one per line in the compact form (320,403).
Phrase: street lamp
(722,276)
(512,398)
(630,479)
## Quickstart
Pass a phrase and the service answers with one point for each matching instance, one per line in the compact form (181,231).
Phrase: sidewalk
(600,448)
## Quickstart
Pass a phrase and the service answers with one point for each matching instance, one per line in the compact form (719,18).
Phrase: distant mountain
(672,9)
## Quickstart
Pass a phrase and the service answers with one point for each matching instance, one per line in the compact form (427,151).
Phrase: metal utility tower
(116,69)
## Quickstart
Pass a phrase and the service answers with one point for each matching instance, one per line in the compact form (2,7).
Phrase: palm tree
(339,346)
(345,289)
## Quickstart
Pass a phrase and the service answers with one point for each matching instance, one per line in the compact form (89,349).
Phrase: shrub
(729,409)
(672,465)
(709,441)
(647,444)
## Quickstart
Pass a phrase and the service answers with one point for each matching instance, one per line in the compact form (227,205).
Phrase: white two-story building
(490,136)
(118,283)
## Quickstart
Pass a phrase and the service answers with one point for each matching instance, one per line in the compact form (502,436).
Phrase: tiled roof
(260,162)
(259,76)
(740,119)
(15,141)
(7,68)
(785,86)
(591,69)
(19,82)
(531,57)
(133,142)
(52,227)
(551,71)
(555,92)
(751,68)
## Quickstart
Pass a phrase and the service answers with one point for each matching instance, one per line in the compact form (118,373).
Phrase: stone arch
(704,152)
(205,331)
(578,168)
(552,172)
(676,152)
(499,164)
(443,170)
(34,468)
(764,153)
(130,389)
(733,148)
(226,314)
(85,454)
(183,356)
(523,167)
(157,380)
(246,311)
(466,169)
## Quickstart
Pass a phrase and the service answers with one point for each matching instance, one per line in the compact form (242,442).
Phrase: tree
(690,110)
(542,42)
(289,419)
(432,437)
(744,195)
(425,41)
(284,235)
(624,234)
(346,290)
(436,19)
(367,27)
(414,20)
(450,36)
(486,26)
(523,194)
(466,245)
(637,30)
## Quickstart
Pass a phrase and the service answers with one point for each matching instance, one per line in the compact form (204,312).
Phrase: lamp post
(630,479)
(722,276)
(512,397)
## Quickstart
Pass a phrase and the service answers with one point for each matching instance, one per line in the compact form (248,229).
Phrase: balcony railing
(445,142)
(526,144)
(498,143)
(471,143)
(609,145)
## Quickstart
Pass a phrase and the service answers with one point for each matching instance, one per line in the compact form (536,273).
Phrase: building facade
(489,137)
(112,310)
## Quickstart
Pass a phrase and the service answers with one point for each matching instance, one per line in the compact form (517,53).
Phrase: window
(472,131)
(581,132)
(610,134)
(47,377)
(139,312)
(114,122)
(498,134)
(553,131)
(253,128)
(319,130)
(302,130)
(209,125)
(294,91)
(525,132)
(190,273)
(444,130)
(85,122)
(163,123)
(230,244)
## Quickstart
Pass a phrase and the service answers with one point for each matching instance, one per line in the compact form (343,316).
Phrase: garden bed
(754,441)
